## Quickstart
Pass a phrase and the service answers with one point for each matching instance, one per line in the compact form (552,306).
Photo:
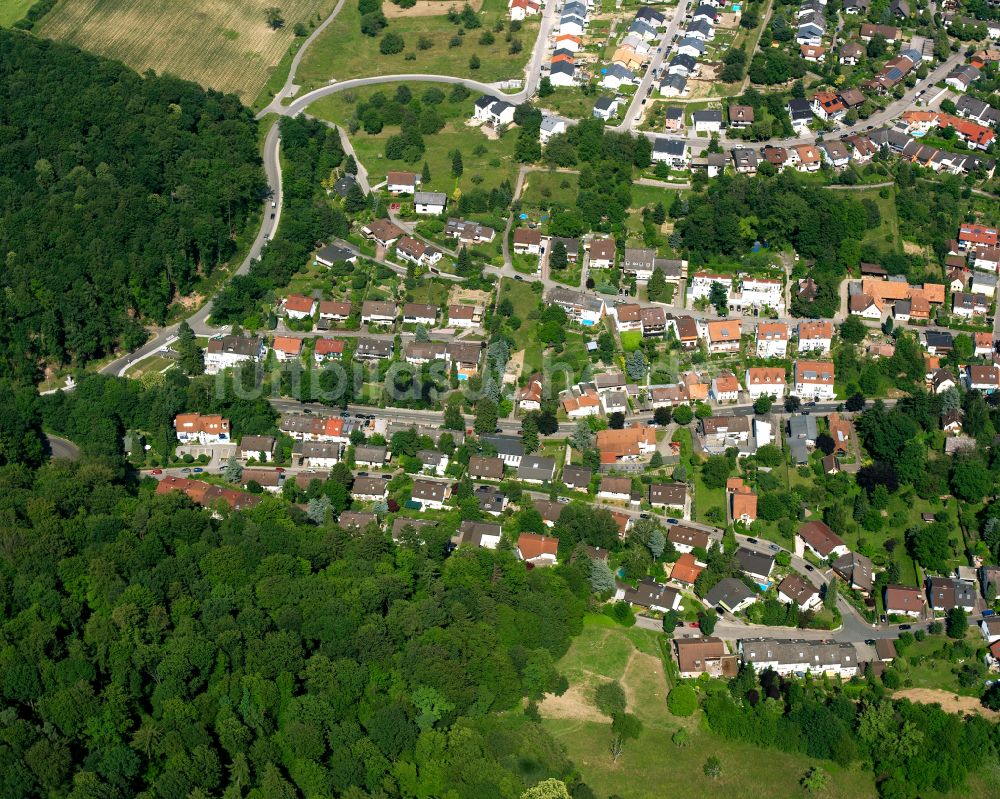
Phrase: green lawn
(432,292)
(887,233)
(631,339)
(525,300)
(706,498)
(569,102)
(651,766)
(922,665)
(546,189)
(13,10)
(651,195)
(486,162)
(342,52)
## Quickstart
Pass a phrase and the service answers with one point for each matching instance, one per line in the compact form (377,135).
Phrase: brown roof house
(485,468)
(801,592)
(697,656)
(670,495)
(902,600)
(742,501)
(855,570)
(539,550)
(818,538)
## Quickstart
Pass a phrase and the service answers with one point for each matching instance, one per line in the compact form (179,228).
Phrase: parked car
(185,470)
(672,521)
(989,613)
(905,627)
(692,624)
(562,500)
(198,470)
(279,469)
(774,547)
(752,541)
(157,471)
(809,568)
(518,277)
(870,641)
(645,516)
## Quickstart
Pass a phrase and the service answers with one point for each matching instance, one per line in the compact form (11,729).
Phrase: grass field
(224,46)
(547,189)
(13,10)
(492,160)
(887,233)
(652,766)
(342,51)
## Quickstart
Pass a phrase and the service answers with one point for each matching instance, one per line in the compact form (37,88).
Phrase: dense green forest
(116,193)
(151,650)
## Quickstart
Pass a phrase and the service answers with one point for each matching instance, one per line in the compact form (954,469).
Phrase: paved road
(62,448)
(632,113)
(290,88)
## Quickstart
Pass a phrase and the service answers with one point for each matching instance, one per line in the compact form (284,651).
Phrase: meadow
(13,10)
(652,766)
(221,45)
(487,162)
(342,52)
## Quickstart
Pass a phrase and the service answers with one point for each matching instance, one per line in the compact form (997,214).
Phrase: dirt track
(953,703)
(428,8)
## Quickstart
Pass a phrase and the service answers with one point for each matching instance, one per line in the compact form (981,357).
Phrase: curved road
(62,448)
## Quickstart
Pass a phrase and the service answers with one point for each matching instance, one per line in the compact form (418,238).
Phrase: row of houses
(573,22)
(872,297)
(683,65)
(976,136)
(381,312)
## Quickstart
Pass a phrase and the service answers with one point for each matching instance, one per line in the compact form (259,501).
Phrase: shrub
(682,700)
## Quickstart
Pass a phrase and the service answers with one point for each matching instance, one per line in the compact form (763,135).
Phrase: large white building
(758,293)
(226,351)
(787,657)
(700,284)
(813,380)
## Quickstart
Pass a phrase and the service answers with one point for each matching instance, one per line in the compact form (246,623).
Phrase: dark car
(345,415)
(870,641)
(645,516)
(809,568)
(672,521)
(774,547)
(198,469)
(518,277)
(752,541)
(905,627)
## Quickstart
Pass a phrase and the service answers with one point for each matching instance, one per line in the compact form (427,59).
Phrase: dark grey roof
(707,115)
(343,185)
(754,563)
(332,253)
(683,60)
(669,146)
(506,445)
(799,108)
(729,593)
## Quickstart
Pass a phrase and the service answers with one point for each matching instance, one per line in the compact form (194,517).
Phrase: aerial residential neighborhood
(540,399)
